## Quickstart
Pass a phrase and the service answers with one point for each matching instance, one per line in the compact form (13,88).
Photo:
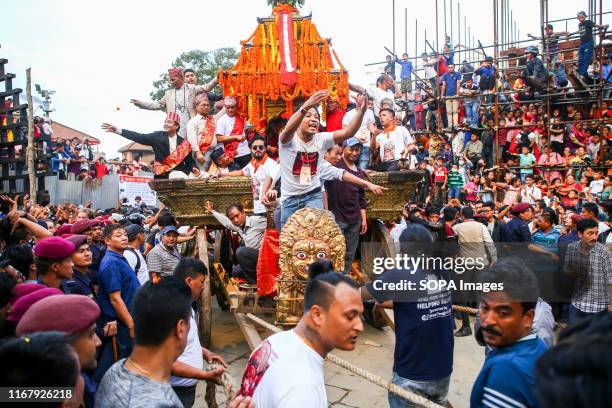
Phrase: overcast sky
(98,55)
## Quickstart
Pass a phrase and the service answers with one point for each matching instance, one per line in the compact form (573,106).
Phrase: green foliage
(205,63)
(293,3)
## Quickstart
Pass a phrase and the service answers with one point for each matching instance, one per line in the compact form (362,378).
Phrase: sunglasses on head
(258,147)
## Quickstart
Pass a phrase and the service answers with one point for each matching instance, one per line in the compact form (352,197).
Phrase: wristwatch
(304,111)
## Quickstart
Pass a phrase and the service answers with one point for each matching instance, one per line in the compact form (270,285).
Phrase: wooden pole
(31,164)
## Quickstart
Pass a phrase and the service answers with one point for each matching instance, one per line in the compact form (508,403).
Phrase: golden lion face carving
(306,252)
(309,235)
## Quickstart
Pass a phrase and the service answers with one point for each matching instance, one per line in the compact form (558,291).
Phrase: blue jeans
(453,192)
(363,162)
(471,111)
(576,314)
(436,391)
(292,204)
(585,54)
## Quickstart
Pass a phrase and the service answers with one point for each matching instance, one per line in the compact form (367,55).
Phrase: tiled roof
(61,131)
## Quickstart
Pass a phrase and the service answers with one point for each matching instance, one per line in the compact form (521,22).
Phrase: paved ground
(344,389)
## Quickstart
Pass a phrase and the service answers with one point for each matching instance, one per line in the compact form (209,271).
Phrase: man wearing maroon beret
(93,229)
(81,260)
(517,230)
(53,262)
(57,313)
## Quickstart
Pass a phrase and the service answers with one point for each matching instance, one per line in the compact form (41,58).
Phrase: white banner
(131,186)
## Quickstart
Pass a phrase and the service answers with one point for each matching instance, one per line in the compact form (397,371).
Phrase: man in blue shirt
(451,84)
(506,318)
(118,284)
(487,72)
(405,75)
(606,71)
(59,159)
(423,357)
(547,235)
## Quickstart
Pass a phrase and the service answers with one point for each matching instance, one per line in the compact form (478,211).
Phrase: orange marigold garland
(255,78)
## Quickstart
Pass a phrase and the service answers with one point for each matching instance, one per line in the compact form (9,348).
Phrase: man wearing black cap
(222,163)
(347,201)
(163,257)
(136,239)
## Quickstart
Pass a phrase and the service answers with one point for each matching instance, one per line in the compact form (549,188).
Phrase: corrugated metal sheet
(103,194)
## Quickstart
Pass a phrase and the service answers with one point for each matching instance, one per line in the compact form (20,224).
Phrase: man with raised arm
(301,150)
(172,152)
(179,99)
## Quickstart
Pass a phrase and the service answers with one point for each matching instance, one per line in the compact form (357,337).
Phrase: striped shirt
(593,274)
(551,44)
(506,379)
(162,260)
(455,180)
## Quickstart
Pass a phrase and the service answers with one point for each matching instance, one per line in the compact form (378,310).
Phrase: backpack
(137,267)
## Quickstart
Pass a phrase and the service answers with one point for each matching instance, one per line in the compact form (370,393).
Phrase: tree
(292,3)
(206,64)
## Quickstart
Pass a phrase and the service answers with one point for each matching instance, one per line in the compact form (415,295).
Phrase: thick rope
(226,382)
(469,310)
(412,397)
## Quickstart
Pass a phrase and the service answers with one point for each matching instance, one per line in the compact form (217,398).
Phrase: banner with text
(130,187)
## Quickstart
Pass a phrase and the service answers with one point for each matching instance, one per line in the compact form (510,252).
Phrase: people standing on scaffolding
(534,73)
(585,52)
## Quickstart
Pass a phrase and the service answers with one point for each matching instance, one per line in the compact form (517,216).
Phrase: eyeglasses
(258,147)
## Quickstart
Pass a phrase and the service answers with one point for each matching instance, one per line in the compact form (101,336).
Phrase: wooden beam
(248,329)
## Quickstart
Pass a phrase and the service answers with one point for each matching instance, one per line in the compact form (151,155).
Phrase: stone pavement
(345,389)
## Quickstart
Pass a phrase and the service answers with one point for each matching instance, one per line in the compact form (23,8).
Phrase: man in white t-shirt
(259,168)
(230,131)
(189,367)
(136,239)
(530,193)
(394,143)
(384,84)
(286,370)
(363,134)
(301,151)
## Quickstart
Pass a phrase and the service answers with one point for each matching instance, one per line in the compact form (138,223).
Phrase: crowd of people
(530,196)
(75,161)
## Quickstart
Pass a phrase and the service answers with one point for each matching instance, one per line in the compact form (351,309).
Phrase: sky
(99,55)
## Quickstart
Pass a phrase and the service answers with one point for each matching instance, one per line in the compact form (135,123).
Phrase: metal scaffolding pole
(445,20)
(416,41)
(406,30)
(393,27)
(459,30)
(495,96)
(602,82)
(436,43)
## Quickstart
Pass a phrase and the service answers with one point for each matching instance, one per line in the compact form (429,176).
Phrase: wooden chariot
(186,198)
